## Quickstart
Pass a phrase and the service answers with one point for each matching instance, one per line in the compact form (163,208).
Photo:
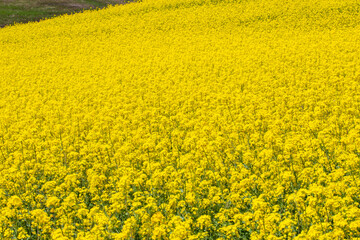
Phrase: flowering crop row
(183,119)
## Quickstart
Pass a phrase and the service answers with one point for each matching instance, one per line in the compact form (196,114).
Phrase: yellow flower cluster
(183,119)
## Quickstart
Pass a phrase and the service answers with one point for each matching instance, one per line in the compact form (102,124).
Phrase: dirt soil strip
(22,11)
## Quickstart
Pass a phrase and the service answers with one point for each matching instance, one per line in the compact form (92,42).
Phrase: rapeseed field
(183,119)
